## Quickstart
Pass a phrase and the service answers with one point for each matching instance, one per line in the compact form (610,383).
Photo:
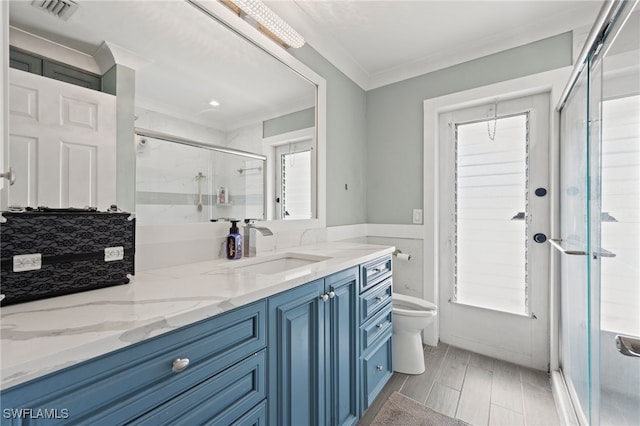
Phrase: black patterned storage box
(52,253)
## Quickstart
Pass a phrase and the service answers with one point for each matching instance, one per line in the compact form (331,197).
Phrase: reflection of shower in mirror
(199,178)
(247,169)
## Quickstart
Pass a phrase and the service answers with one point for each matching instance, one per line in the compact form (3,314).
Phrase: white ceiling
(383,41)
(185,59)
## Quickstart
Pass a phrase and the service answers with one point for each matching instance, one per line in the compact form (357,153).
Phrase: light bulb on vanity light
(264,16)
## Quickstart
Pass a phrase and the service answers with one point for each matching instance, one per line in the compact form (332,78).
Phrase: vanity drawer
(256,417)
(116,387)
(377,327)
(377,369)
(373,300)
(220,400)
(375,271)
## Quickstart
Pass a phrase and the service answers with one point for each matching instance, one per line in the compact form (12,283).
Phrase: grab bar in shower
(555,243)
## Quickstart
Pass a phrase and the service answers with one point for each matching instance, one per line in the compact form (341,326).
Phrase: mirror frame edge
(4,81)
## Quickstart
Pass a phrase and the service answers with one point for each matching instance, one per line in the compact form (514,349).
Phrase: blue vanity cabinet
(224,379)
(313,353)
(376,329)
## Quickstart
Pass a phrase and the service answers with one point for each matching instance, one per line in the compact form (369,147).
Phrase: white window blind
(620,192)
(491,214)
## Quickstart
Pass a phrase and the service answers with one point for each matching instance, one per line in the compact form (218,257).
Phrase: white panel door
(62,144)
(494,278)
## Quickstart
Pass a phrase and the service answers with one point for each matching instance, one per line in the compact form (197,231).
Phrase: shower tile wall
(166,175)
(167,183)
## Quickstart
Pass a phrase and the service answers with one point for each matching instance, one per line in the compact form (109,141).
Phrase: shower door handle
(627,345)
(555,243)
(603,253)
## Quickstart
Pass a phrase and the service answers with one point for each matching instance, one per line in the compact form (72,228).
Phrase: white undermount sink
(277,263)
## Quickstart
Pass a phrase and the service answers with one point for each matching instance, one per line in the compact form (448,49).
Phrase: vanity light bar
(270,21)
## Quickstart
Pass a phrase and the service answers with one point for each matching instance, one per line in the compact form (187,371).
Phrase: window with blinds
(491,211)
(620,191)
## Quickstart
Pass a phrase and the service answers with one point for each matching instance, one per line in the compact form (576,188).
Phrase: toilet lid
(402,301)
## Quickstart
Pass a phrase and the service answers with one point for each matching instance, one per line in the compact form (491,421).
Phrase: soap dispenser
(234,241)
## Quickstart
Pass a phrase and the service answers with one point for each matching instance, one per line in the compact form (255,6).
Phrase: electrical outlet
(27,262)
(113,253)
(417,216)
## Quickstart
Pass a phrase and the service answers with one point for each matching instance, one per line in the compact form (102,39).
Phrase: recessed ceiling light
(214,103)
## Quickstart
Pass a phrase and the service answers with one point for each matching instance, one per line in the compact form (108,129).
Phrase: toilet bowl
(410,316)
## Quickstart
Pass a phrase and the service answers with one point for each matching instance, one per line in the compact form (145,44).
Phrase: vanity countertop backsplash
(47,335)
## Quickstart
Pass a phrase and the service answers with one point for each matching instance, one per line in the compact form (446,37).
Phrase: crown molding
(337,55)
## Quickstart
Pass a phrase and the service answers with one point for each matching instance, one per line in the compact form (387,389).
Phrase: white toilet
(410,316)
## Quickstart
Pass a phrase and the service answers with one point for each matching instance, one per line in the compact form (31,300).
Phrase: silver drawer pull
(380,298)
(379,367)
(179,364)
(379,326)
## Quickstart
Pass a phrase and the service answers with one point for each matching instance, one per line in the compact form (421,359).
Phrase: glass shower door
(575,307)
(600,229)
(615,226)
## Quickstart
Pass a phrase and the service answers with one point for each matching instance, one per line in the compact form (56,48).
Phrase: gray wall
(346,141)
(395,121)
(288,123)
(375,138)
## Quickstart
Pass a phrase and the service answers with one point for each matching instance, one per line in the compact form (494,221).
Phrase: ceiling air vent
(62,9)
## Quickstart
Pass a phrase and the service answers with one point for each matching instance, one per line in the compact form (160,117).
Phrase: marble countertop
(43,336)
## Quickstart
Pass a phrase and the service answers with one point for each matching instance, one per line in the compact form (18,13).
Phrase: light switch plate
(417,216)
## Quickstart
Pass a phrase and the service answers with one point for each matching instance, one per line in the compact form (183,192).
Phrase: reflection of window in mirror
(294,171)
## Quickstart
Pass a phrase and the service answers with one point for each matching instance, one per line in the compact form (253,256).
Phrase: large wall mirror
(204,123)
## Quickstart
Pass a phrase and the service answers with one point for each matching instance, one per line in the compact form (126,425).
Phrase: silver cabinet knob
(324,297)
(179,364)
(379,367)
(332,294)
(379,298)
(379,326)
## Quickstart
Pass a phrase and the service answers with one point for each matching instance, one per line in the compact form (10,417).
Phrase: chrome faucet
(249,237)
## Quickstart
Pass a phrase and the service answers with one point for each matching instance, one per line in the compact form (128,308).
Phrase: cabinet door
(342,347)
(296,392)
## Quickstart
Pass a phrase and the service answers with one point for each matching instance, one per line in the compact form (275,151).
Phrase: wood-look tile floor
(476,389)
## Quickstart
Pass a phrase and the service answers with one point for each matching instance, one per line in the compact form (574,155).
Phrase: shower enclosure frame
(612,17)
